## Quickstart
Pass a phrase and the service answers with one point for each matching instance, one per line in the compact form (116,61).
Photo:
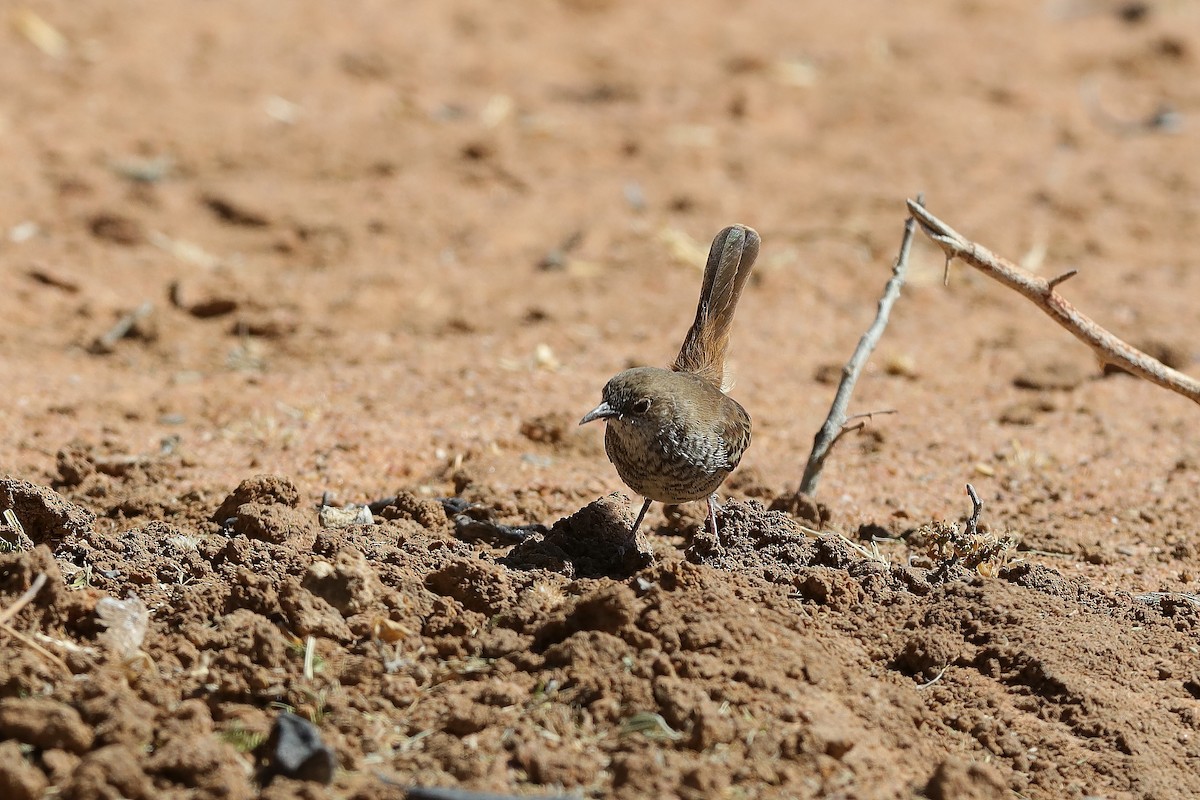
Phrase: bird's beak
(602,411)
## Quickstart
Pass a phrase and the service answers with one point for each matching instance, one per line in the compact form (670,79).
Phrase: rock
(295,750)
(334,517)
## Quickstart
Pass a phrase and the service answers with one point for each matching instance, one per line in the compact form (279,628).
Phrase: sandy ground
(379,250)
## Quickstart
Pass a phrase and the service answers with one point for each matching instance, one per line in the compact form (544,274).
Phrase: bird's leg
(638,522)
(712,514)
(712,521)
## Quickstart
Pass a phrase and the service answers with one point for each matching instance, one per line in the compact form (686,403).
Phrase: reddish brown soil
(396,249)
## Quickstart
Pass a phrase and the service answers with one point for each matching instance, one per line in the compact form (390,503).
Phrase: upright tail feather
(730,260)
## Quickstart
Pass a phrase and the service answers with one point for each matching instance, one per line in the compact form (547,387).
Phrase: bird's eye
(641,406)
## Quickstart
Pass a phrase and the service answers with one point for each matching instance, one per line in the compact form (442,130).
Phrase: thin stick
(976,507)
(1108,347)
(108,341)
(936,678)
(34,646)
(835,423)
(310,647)
(24,599)
(10,612)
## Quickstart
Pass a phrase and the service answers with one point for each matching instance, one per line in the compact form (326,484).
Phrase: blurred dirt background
(261,256)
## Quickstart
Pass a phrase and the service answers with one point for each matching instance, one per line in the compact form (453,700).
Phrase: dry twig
(1108,347)
(835,423)
(935,679)
(107,342)
(10,612)
(24,599)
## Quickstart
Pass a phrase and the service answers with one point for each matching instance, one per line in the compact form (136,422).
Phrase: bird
(674,435)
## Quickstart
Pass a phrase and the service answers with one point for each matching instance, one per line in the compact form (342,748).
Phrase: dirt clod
(592,542)
(956,780)
(265,489)
(44,723)
(348,584)
(43,513)
(19,779)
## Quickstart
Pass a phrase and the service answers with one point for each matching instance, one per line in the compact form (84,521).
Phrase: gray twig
(1110,348)
(108,341)
(835,423)
(976,507)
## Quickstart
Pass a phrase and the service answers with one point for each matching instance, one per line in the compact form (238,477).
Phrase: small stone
(295,750)
(334,517)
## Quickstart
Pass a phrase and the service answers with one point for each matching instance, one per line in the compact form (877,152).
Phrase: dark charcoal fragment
(295,750)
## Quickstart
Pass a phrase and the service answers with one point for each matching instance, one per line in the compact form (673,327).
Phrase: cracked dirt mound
(779,663)
(259,258)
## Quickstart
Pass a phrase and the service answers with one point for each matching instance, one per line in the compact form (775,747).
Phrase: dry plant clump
(948,545)
(978,551)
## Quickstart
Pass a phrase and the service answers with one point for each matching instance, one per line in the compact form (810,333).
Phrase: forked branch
(1108,347)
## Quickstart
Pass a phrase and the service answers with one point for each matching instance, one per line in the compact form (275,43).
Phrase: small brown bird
(674,435)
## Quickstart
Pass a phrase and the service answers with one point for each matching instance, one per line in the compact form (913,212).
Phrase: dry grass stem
(34,646)
(935,678)
(14,609)
(24,599)
(310,647)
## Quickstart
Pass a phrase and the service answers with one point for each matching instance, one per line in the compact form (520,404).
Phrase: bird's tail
(730,260)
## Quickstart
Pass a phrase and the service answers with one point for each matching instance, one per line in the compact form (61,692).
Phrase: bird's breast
(676,458)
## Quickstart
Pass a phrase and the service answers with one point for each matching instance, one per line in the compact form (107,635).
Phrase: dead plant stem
(835,423)
(1110,348)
